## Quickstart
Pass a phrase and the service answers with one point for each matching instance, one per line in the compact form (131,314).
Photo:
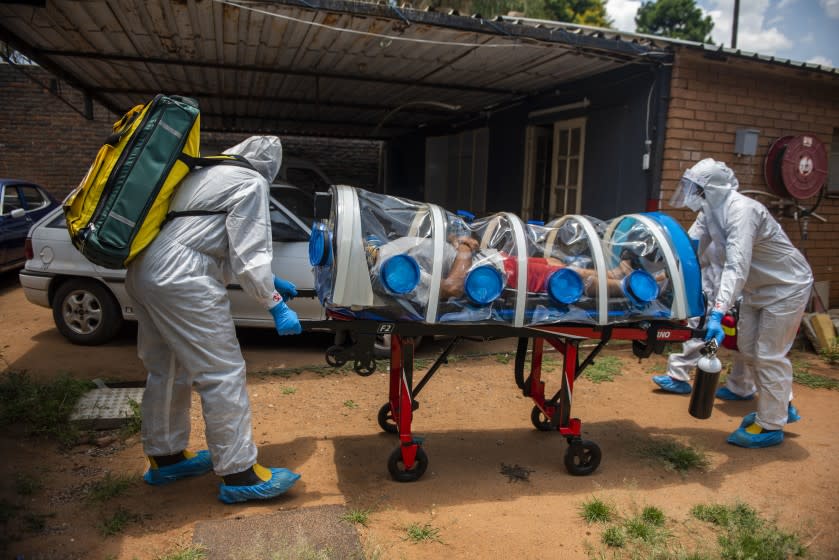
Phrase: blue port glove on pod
(287,289)
(285,319)
(714,327)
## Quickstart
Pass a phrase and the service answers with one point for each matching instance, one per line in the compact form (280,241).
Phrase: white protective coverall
(773,276)
(740,379)
(186,334)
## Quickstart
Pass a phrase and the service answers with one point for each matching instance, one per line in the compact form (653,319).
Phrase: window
(34,198)
(11,200)
(283,228)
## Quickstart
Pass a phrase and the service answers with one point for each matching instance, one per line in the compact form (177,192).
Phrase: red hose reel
(796,166)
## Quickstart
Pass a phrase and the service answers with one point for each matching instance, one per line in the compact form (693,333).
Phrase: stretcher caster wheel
(386,421)
(333,356)
(540,421)
(582,457)
(397,467)
(364,368)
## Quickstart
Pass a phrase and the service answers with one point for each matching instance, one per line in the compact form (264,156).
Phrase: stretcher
(551,411)
(390,268)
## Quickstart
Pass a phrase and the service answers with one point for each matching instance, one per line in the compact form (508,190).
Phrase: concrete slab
(315,532)
(106,408)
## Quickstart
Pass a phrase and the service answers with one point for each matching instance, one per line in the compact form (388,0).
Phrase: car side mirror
(17,213)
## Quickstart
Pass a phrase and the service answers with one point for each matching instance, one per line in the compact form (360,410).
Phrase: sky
(799,30)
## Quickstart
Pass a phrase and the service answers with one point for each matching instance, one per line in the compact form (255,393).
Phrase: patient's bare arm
(452,285)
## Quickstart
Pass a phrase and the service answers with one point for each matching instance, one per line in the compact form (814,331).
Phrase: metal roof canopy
(313,68)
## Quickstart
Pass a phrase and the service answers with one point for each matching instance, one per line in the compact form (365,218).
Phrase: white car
(89,303)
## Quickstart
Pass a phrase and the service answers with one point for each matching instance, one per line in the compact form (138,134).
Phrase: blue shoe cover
(726,394)
(193,466)
(753,441)
(281,481)
(792,416)
(671,385)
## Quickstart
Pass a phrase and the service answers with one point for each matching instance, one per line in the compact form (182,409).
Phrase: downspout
(662,75)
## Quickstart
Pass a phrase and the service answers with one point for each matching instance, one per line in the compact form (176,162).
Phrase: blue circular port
(483,284)
(565,286)
(400,274)
(320,248)
(640,287)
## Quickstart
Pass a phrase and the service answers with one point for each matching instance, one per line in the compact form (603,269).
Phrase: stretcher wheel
(364,368)
(397,467)
(333,356)
(540,421)
(582,457)
(386,421)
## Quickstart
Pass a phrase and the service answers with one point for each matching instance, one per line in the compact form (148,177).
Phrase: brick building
(710,99)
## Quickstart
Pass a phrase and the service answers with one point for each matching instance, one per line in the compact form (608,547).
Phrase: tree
(680,19)
(584,12)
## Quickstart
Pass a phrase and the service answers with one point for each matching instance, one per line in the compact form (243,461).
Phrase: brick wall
(711,99)
(44,140)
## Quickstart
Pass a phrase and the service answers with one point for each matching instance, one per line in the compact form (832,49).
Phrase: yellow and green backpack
(123,200)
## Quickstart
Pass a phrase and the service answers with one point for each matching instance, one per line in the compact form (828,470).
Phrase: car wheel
(381,349)
(85,312)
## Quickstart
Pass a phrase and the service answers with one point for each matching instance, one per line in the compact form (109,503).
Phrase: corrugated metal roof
(318,68)
(665,42)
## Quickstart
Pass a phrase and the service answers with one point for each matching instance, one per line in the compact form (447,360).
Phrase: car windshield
(300,203)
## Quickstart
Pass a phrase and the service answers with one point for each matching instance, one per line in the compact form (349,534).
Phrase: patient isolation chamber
(382,257)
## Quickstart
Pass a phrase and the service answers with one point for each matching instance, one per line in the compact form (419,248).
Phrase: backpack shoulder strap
(172,215)
(221,159)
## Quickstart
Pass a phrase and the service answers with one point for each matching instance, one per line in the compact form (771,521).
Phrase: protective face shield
(688,194)
(265,153)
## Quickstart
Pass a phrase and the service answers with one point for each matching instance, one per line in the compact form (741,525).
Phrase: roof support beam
(278,71)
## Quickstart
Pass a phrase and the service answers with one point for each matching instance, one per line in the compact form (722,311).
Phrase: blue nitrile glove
(286,288)
(714,327)
(285,319)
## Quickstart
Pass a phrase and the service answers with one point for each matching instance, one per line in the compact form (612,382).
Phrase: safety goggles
(686,192)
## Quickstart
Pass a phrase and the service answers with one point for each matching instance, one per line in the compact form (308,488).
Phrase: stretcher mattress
(386,258)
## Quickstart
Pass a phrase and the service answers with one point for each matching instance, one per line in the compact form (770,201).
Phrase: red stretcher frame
(408,462)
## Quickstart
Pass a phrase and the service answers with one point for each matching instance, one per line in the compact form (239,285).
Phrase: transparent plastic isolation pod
(382,257)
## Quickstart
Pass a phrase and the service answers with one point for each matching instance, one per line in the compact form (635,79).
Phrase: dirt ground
(474,421)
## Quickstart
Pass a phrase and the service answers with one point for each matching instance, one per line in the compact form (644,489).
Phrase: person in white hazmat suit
(740,383)
(186,336)
(774,279)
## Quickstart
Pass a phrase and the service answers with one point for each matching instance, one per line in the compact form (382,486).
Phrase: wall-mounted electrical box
(745,141)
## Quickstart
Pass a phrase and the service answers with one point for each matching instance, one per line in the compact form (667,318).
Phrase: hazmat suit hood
(706,186)
(265,153)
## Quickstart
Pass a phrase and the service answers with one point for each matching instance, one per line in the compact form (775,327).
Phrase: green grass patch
(676,456)
(27,485)
(614,536)
(801,375)
(117,522)
(43,409)
(357,516)
(110,487)
(830,354)
(746,535)
(503,358)
(350,404)
(134,423)
(603,369)
(289,390)
(190,552)
(417,533)
(653,516)
(596,510)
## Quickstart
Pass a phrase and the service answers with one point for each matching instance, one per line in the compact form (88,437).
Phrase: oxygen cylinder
(705,383)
